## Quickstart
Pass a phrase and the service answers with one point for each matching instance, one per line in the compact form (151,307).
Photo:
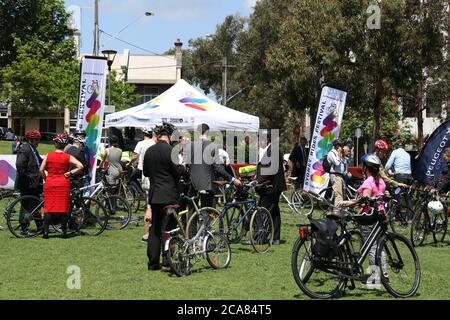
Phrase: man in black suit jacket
(271,173)
(205,167)
(298,159)
(164,176)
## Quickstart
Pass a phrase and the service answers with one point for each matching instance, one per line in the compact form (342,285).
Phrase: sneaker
(145,238)
(372,283)
(166,269)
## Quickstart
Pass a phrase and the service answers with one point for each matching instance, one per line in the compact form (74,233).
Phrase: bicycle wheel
(328,195)
(261,230)
(399,265)
(25,217)
(214,221)
(418,231)
(233,229)
(89,216)
(119,212)
(138,198)
(178,259)
(218,252)
(440,226)
(6,198)
(398,221)
(302,202)
(312,275)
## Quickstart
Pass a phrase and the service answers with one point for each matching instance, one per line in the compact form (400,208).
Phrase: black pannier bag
(324,240)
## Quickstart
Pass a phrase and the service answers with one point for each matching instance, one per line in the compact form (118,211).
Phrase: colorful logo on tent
(324,146)
(6,171)
(92,131)
(195,103)
(152,104)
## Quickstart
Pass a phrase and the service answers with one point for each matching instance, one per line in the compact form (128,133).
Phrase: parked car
(47,137)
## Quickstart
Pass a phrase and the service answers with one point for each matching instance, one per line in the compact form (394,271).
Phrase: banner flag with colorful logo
(7,171)
(430,162)
(326,128)
(91,105)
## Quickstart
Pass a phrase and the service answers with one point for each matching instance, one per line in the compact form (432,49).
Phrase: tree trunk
(296,131)
(377,108)
(419,99)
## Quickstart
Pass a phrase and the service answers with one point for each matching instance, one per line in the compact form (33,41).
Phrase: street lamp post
(110,56)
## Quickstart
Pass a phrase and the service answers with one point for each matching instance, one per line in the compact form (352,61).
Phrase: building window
(47,125)
(150,93)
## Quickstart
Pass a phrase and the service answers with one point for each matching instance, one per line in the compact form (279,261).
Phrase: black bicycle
(25,216)
(429,220)
(326,276)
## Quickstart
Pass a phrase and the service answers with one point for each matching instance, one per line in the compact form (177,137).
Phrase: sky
(172,19)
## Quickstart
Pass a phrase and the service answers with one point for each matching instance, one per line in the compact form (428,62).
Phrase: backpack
(324,240)
(326,165)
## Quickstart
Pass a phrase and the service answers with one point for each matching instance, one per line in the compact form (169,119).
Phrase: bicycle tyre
(25,223)
(6,198)
(233,229)
(418,231)
(178,260)
(302,202)
(91,217)
(328,195)
(304,271)
(215,221)
(261,230)
(119,212)
(398,221)
(216,244)
(396,259)
(440,226)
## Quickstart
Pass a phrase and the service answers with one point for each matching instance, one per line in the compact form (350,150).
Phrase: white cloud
(250,4)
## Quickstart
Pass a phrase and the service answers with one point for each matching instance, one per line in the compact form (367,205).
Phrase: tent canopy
(186,108)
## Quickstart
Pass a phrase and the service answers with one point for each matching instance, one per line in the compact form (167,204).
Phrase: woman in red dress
(57,183)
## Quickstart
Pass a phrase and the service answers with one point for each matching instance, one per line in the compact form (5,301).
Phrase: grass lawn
(114,266)
(5,148)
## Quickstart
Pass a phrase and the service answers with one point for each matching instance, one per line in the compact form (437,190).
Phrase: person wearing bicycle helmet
(57,183)
(381,149)
(372,187)
(28,180)
(163,194)
(112,156)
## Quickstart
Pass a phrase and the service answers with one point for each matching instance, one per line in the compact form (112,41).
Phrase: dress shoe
(276,242)
(153,268)
(45,236)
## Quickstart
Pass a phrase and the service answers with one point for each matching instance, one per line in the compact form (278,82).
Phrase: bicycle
(398,214)
(257,219)
(425,223)
(25,216)
(119,211)
(6,197)
(397,263)
(198,241)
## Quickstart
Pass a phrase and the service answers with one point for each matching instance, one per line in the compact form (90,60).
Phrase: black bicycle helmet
(167,129)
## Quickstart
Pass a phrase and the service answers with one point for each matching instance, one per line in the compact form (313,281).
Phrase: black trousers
(405,200)
(163,220)
(271,203)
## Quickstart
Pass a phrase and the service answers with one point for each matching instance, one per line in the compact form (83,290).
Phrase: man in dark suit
(163,194)
(298,159)
(28,179)
(270,172)
(206,167)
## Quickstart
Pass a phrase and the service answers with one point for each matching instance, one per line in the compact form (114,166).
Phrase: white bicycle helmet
(435,207)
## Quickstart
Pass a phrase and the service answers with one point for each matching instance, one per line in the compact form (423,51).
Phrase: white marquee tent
(186,108)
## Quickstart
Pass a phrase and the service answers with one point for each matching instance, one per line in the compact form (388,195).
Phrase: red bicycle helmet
(33,134)
(382,145)
(61,139)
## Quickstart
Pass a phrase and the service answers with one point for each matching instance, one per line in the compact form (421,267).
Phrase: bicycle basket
(324,240)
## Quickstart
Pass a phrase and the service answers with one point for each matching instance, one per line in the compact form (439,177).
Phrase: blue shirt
(400,161)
